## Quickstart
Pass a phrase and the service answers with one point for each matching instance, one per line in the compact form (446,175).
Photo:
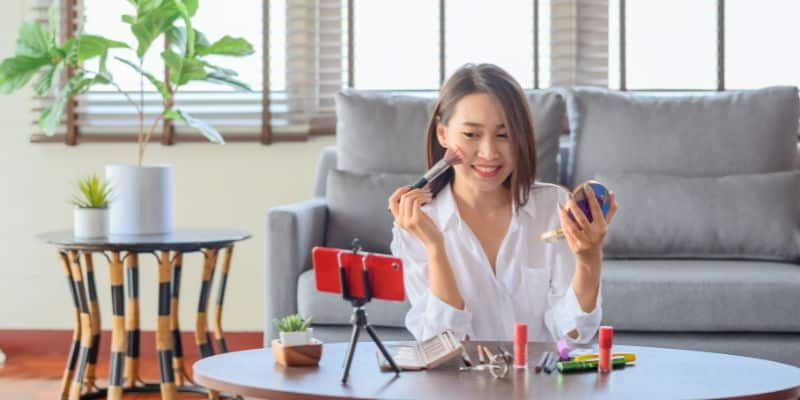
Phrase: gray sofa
(704,254)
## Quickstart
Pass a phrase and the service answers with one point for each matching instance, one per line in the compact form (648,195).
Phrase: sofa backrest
(702,135)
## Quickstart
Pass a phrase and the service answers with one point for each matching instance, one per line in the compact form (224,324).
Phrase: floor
(35,361)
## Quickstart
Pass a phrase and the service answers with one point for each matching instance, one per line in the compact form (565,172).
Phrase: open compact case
(603,197)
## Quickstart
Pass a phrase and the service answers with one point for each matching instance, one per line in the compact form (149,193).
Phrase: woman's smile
(486,171)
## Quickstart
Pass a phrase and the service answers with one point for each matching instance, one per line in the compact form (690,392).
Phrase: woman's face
(477,128)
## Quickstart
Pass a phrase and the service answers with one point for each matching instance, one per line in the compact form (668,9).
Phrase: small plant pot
(296,338)
(90,223)
(297,356)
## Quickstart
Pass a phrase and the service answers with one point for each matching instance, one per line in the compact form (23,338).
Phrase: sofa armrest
(291,232)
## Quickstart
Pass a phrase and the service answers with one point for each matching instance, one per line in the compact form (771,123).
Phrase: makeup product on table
(496,363)
(421,355)
(451,157)
(506,355)
(601,193)
(605,337)
(588,365)
(481,357)
(552,361)
(563,350)
(520,345)
(629,357)
(541,363)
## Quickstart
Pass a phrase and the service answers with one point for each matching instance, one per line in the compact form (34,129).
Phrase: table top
(179,240)
(657,373)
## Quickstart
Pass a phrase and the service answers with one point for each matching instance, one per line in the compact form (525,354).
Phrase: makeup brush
(451,157)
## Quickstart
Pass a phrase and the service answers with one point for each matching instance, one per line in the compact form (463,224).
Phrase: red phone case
(385,273)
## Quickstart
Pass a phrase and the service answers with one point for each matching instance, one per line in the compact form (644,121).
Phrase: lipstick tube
(520,345)
(605,337)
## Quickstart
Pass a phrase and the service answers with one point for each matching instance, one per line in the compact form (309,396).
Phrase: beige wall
(216,186)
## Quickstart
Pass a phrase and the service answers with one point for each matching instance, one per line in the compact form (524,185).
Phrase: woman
(469,242)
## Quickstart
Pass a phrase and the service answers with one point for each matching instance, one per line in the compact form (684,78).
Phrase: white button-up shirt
(533,281)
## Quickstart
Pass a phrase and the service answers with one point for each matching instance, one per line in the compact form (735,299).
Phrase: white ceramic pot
(296,338)
(90,223)
(141,199)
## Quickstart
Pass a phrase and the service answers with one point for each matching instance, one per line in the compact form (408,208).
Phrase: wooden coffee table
(658,373)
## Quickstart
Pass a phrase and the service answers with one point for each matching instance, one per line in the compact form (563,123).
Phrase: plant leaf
(221,79)
(221,70)
(17,71)
(191,6)
(93,192)
(103,76)
(33,41)
(183,10)
(53,19)
(146,6)
(160,86)
(90,46)
(177,39)
(47,78)
(183,69)
(228,46)
(51,116)
(207,130)
(147,27)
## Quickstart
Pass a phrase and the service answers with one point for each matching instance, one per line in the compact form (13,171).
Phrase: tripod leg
(374,335)
(350,350)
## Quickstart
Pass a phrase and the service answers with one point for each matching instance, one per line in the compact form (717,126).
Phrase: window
(668,45)
(388,35)
(760,41)
(480,31)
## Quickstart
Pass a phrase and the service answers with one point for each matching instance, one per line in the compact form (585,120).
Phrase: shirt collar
(447,212)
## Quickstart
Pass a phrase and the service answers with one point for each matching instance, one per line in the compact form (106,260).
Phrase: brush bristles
(453,156)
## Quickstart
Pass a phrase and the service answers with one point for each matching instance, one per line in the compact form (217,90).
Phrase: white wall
(216,186)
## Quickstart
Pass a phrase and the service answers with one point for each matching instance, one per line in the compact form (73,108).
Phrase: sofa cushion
(357,208)
(729,133)
(381,132)
(701,295)
(329,308)
(549,112)
(742,216)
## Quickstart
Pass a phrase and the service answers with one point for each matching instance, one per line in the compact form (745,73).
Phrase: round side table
(122,253)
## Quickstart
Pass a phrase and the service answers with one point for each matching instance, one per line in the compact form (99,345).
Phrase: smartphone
(385,273)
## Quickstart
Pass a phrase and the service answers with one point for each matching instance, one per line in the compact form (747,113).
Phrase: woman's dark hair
(497,83)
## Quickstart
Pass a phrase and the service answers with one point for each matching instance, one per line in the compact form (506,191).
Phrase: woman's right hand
(406,207)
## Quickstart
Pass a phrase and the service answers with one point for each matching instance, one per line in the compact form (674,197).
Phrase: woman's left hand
(585,238)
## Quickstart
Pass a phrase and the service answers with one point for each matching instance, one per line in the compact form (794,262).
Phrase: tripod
(359,317)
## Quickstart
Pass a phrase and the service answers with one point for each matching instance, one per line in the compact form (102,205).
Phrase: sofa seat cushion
(701,295)
(332,309)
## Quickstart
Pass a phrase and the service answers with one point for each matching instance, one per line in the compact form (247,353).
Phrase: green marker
(587,365)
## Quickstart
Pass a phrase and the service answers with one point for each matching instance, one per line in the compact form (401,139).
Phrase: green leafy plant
(93,192)
(292,323)
(38,52)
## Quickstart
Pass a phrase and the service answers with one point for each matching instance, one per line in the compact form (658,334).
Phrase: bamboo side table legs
(78,380)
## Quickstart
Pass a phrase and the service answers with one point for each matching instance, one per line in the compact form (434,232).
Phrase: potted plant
(90,217)
(294,330)
(143,194)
